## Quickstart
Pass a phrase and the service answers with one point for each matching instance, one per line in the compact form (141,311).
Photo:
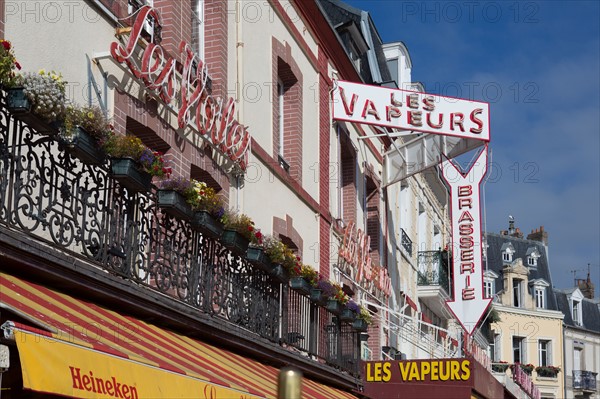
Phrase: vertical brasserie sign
(214,118)
(469,303)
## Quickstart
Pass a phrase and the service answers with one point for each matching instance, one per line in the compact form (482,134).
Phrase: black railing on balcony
(584,380)
(406,241)
(433,269)
(81,210)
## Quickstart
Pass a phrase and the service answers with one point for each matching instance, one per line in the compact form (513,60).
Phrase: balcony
(584,381)
(406,242)
(80,213)
(432,280)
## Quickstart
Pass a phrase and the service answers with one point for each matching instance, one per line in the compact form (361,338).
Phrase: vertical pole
(290,383)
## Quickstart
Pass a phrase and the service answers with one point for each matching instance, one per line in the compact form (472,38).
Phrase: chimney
(539,235)
(586,286)
(518,233)
(511,225)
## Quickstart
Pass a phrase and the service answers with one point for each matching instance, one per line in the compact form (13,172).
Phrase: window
(544,348)
(488,286)
(507,252)
(287,110)
(347,187)
(532,261)
(133,6)
(489,283)
(280,115)
(576,312)
(518,344)
(540,297)
(577,359)
(517,293)
(494,349)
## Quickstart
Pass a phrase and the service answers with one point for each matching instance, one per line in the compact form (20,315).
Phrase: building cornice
(538,313)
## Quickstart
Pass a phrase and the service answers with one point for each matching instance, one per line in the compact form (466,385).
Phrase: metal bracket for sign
(418,152)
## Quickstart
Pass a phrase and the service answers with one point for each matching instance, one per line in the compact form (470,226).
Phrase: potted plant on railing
(8,64)
(500,367)
(338,300)
(547,371)
(527,368)
(239,232)
(85,131)
(38,100)
(350,311)
(175,195)
(208,210)
(307,279)
(268,255)
(132,163)
(322,291)
(363,320)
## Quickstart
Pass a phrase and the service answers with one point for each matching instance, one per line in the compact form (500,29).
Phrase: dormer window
(507,252)
(576,304)
(354,41)
(532,256)
(539,292)
(489,283)
(576,312)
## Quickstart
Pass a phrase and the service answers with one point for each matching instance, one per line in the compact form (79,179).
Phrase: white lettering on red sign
(411,110)
(214,118)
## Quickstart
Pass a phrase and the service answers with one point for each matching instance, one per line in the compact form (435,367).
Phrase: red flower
(6,45)
(250,228)
(18,65)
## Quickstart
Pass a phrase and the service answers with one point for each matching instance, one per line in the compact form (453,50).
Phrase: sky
(537,63)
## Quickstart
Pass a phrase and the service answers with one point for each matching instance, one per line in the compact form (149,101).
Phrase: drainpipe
(565,363)
(239,46)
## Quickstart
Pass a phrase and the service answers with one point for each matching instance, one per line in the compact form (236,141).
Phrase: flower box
(21,108)
(547,371)
(333,306)
(85,148)
(206,224)
(259,259)
(174,204)
(360,325)
(235,242)
(301,285)
(317,296)
(127,173)
(347,315)
(499,367)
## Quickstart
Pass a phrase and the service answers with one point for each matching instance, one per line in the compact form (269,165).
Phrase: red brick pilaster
(176,20)
(324,165)
(215,44)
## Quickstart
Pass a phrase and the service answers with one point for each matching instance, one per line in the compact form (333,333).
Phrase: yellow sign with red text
(62,368)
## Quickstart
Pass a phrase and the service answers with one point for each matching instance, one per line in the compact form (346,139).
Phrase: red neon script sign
(213,117)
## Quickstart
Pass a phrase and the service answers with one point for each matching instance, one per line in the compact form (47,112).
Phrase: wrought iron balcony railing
(584,380)
(433,269)
(83,212)
(406,241)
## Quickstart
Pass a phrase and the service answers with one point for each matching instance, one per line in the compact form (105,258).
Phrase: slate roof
(495,243)
(338,13)
(590,311)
